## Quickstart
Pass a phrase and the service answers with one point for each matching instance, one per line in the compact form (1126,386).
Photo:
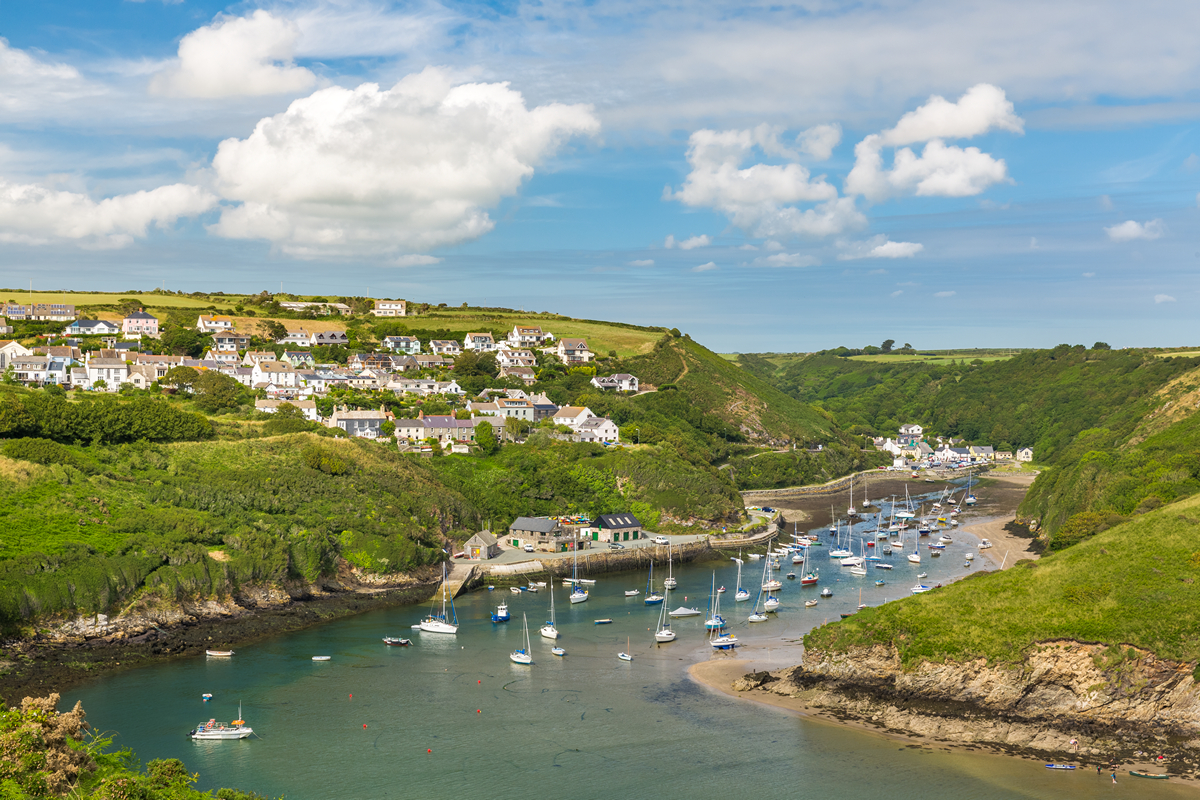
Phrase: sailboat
(915,555)
(851,511)
(625,656)
(652,597)
(861,604)
(578,593)
(670,582)
(664,632)
(840,551)
(523,655)
(969,500)
(769,583)
(833,528)
(907,513)
(859,568)
(214,730)
(440,623)
(548,630)
(715,621)
(742,594)
(758,615)
(812,575)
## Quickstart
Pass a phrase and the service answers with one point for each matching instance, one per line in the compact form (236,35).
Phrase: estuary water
(452,717)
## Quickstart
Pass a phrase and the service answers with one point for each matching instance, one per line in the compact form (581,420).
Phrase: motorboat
(213,730)
(321,658)
(558,651)
(809,603)
(396,641)
(605,621)
(984,544)
(920,588)
(219,653)
(826,592)
(684,611)
(501,613)
(632,592)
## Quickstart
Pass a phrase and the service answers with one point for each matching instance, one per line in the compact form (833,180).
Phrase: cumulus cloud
(786,260)
(702,240)
(234,57)
(1129,230)
(1163,298)
(880,247)
(761,198)
(642,262)
(944,294)
(711,265)
(34,214)
(375,171)
(415,260)
(819,140)
(941,170)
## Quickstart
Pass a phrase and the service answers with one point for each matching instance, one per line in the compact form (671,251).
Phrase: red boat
(809,580)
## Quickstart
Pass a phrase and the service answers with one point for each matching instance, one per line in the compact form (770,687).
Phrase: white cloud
(878,272)
(786,260)
(1191,163)
(819,141)
(772,246)
(944,294)
(1089,274)
(416,261)
(694,242)
(748,247)
(1033,243)
(707,267)
(642,262)
(1163,298)
(28,83)
(35,214)
(365,170)
(897,293)
(760,199)
(1106,202)
(1197,199)
(235,57)
(1130,230)
(880,247)
(941,170)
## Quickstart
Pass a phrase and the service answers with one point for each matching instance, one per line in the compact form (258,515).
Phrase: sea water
(452,717)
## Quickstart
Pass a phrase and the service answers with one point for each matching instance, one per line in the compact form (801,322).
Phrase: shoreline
(719,675)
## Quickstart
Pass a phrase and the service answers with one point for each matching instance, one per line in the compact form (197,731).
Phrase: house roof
(273,366)
(574,344)
(278,403)
(571,411)
(141,314)
(535,524)
(616,521)
(483,537)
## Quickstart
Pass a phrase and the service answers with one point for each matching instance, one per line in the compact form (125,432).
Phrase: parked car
(661,540)
(528,548)
(615,546)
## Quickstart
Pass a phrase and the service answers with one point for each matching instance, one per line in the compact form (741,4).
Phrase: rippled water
(453,716)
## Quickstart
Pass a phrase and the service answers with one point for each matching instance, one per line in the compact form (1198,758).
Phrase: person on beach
(1114,777)
(1098,771)
(1075,745)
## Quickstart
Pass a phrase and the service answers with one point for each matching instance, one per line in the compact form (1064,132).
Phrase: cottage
(482,546)
(522,336)
(295,337)
(1025,454)
(113,371)
(363,424)
(10,349)
(31,369)
(618,528)
(317,338)
(574,351)
(572,416)
(213,324)
(479,342)
(542,533)
(308,407)
(1004,455)
(223,358)
(92,327)
(445,347)
(230,341)
(139,324)
(911,430)
(403,344)
(276,372)
(982,452)
(390,308)
(298,358)
(252,357)
(524,374)
(621,382)
(597,429)
(431,361)
(515,358)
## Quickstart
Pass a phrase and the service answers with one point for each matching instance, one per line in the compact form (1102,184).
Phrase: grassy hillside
(1134,584)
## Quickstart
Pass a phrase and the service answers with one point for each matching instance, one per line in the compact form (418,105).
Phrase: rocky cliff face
(1113,700)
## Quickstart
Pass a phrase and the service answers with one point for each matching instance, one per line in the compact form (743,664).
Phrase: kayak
(1154,776)
(1060,766)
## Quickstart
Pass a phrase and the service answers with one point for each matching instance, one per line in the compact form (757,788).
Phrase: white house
(522,336)
(515,358)
(597,429)
(298,336)
(31,369)
(892,447)
(621,382)
(11,349)
(479,342)
(92,327)
(403,344)
(445,347)
(222,357)
(229,341)
(572,416)
(309,407)
(524,374)
(276,372)
(207,324)
(1025,454)
(390,308)
(574,351)
(113,371)
(364,424)
(504,407)
(911,430)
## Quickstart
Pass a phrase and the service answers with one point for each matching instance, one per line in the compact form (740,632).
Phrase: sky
(768,177)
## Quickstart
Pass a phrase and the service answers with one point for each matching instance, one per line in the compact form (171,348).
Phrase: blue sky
(767,177)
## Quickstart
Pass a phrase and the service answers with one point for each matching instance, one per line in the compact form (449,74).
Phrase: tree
(387,429)
(181,341)
(274,329)
(182,378)
(216,392)
(485,438)
(1101,346)
(887,345)
(100,384)
(515,428)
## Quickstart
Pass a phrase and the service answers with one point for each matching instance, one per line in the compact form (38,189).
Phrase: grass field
(941,357)
(601,336)
(1179,354)
(112,298)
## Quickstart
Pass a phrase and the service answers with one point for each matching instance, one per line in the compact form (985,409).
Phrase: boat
(1141,773)
(715,621)
(791,576)
(969,499)
(757,615)
(1060,766)
(845,614)
(501,613)
(664,633)
(206,696)
(915,555)
(670,582)
(833,526)
(809,603)
(213,730)
(969,556)
(755,556)
(523,655)
(883,566)
(320,658)
(723,641)
(440,623)
(922,576)
(851,511)
(684,611)
(578,593)
(866,503)
(769,583)
(720,590)
(539,584)
(984,544)
(605,621)
(881,583)
(861,604)
(219,653)
(548,630)
(652,597)
(396,641)
(935,553)
(532,588)
(515,589)
(632,592)
(625,656)
(771,603)
(557,651)
(798,559)
(741,594)
(920,588)
(826,592)
(811,577)
(858,569)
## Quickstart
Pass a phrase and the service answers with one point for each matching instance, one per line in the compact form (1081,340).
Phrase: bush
(322,460)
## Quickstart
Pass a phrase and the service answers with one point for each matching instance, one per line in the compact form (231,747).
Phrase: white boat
(321,658)
(723,641)
(632,592)
(755,556)
(625,656)
(558,651)
(532,588)
(515,589)
(741,594)
(984,544)
(859,569)
(969,556)
(827,592)
(969,499)
(440,623)
(771,603)
(851,511)
(798,559)
(915,555)
(670,582)
(922,576)
(770,583)
(809,603)
(715,621)
(219,653)
(652,597)
(548,630)
(758,615)
(664,633)
(213,730)
(523,655)
(920,588)
(539,584)
(684,611)
(578,593)
(852,561)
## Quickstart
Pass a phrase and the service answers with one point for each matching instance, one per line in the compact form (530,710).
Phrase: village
(911,450)
(287,376)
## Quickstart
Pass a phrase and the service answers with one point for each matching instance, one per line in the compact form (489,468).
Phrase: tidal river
(452,717)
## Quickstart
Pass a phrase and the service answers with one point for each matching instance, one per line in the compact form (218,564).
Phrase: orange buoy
(364,726)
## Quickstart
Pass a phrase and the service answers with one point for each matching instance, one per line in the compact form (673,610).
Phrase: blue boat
(605,621)
(501,613)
